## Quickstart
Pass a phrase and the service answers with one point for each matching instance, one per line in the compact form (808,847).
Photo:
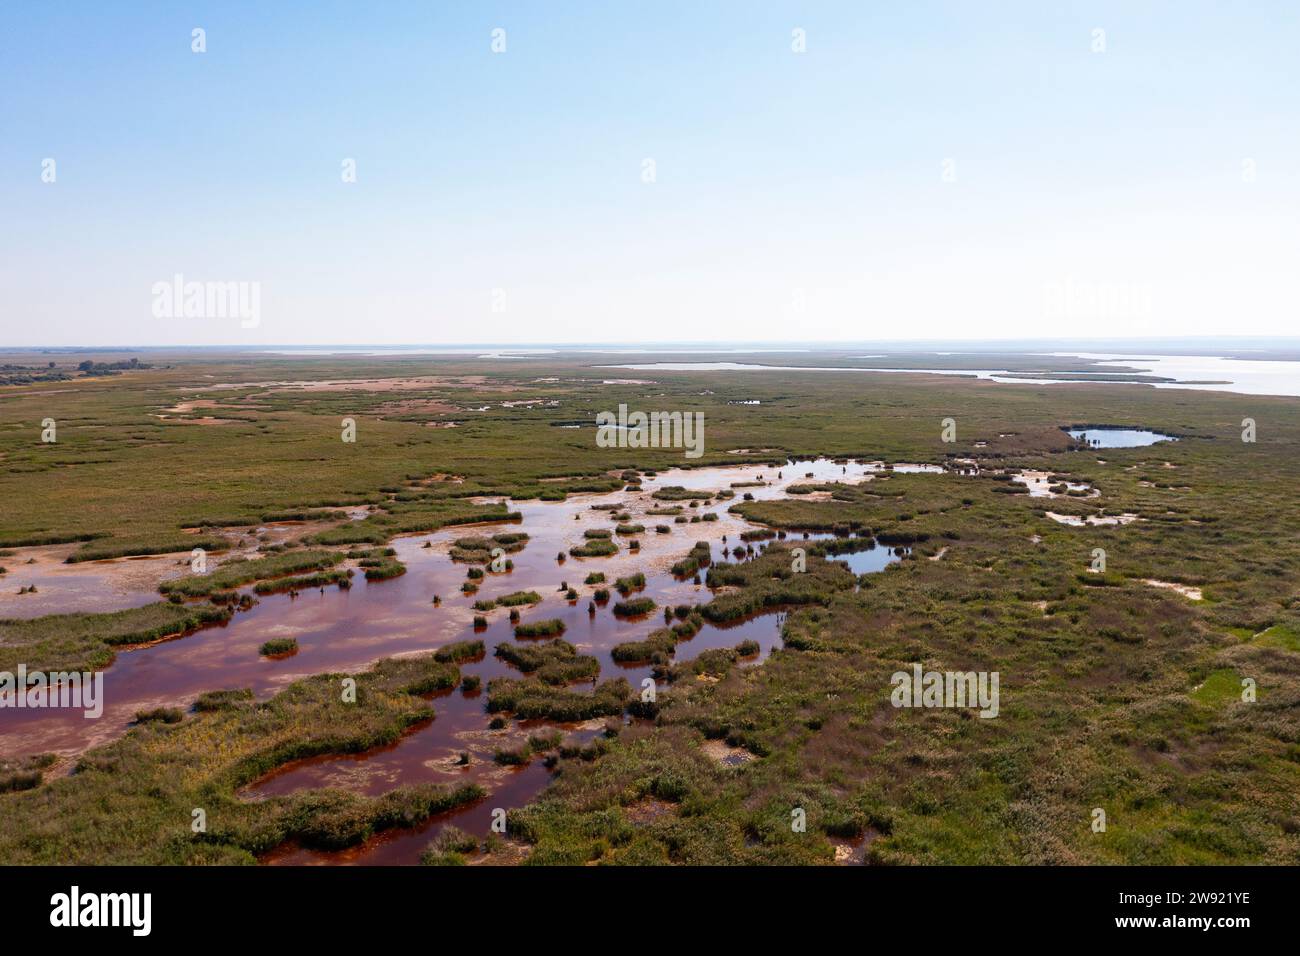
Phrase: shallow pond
(1118,437)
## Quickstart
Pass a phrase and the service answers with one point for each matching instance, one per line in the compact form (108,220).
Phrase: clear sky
(1152,188)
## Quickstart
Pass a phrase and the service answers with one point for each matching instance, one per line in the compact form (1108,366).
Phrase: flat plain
(1121,690)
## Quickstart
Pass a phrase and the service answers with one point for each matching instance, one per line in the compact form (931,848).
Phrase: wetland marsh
(503,592)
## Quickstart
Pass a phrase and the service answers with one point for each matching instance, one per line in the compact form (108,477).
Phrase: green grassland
(1115,694)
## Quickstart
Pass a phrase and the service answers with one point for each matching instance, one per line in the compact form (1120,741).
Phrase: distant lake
(1242,376)
(1119,437)
(1246,376)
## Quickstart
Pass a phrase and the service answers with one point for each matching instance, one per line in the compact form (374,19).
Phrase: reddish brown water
(341,630)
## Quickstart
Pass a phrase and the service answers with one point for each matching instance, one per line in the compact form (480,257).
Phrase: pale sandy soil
(1039,484)
(727,756)
(185,407)
(1186,590)
(85,586)
(1078,522)
(509,853)
(441,477)
(853,852)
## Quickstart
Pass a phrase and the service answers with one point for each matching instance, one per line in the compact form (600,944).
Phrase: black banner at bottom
(335,904)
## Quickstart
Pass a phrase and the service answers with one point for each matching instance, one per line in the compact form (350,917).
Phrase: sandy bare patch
(439,478)
(507,853)
(1186,590)
(813,496)
(184,408)
(111,584)
(720,752)
(853,852)
(1040,485)
(648,809)
(1078,522)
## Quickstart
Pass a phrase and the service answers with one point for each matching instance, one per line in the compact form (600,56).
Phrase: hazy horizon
(1134,345)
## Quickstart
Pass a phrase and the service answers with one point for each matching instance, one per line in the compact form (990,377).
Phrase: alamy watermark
(65,690)
(1072,298)
(946,689)
(651,430)
(179,299)
(75,908)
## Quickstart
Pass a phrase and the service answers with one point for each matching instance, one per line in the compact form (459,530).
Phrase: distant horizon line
(1251,342)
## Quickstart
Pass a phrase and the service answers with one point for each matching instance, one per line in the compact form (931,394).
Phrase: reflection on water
(871,560)
(1118,437)
(346,630)
(1200,372)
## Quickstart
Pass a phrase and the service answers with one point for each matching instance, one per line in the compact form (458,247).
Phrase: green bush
(459,651)
(279,646)
(634,608)
(551,627)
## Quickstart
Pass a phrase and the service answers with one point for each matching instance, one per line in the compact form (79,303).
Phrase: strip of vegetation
(246,570)
(678,493)
(83,642)
(530,699)
(416,518)
(478,550)
(339,576)
(103,548)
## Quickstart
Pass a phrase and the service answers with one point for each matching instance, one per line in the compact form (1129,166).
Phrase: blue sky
(1150,189)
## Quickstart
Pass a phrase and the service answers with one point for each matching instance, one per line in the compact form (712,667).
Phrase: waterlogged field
(410,609)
